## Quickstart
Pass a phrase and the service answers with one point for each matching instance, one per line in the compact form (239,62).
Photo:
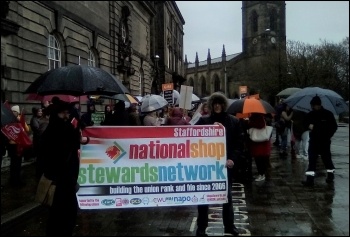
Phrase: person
(60,144)
(151,118)
(16,155)
(277,117)
(120,115)
(285,129)
(86,118)
(204,109)
(322,126)
(177,117)
(261,151)
(301,135)
(34,126)
(134,117)
(43,123)
(217,105)
(107,121)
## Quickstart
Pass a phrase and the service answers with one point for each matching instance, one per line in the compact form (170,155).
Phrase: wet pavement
(278,206)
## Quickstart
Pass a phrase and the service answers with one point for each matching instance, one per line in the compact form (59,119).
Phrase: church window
(204,87)
(216,83)
(53,53)
(254,21)
(273,20)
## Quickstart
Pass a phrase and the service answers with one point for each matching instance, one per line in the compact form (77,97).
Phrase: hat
(315,101)
(15,108)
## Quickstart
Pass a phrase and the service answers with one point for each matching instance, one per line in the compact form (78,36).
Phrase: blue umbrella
(331,100)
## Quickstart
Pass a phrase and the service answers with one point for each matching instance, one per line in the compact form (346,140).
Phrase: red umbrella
(67,98)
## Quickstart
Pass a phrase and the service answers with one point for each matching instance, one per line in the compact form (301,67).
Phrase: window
(123,31)
(203,87)
(91,59)
(216,83)
(255,21)
(273,20)
(141,81)
(53,53)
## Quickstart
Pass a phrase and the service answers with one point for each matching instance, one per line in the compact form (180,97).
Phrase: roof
(214,60)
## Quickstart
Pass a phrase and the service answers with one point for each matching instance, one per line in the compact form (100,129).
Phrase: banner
(168,94)
(139,166)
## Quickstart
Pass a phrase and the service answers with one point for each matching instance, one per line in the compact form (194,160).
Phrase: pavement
(278,206)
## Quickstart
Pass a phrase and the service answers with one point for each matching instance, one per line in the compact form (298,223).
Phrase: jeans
(302,145)
(322,148)
(285,140)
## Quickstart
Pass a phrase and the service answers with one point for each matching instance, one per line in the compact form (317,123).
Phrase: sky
(210,24)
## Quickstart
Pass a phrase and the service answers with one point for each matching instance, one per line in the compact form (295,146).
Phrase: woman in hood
(177,117)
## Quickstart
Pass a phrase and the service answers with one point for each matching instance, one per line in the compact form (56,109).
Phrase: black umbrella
(7,116)
(77,80)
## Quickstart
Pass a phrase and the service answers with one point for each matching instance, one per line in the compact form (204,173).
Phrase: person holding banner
(60,145)
(217,104)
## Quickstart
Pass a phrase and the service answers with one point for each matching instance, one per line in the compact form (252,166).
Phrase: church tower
(263,26)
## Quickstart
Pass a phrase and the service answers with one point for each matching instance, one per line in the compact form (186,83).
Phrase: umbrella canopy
(125,97)
(77,80)
(288,91)
(250,105)
(331,100)
(152,103)
(7,116)
(139,98)
(195,99)
(66,98)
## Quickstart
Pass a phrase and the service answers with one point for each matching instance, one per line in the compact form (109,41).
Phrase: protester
(43,123)
(15,154)
(134,117)
(177,117)
(120,116)
(204,109)
(34,126)
(285,129)
(86,118)
(60,144)
(300,133)
(277,117)
(261,151)
(322,126)
(217,104)
(108,118)
(151,118)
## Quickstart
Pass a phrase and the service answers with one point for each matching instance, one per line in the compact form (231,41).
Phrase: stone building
(121,37)
(264,38)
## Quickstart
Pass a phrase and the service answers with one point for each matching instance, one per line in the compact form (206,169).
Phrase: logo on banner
(115,152)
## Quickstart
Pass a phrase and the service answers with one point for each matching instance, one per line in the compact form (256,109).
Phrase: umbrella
(77,80)
(250,105)
(288,91)
(7,116)
(152,103)
(139,98)
(331,100)
(125,97)
(67,98)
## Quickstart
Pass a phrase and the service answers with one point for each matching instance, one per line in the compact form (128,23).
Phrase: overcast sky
(210,24)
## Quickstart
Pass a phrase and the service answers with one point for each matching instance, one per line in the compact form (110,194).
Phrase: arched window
(273,18)
(123,32)
(141,83)
(53,52)
(191,82)
(216,83)
(254,21)
(203,86)
(91,59)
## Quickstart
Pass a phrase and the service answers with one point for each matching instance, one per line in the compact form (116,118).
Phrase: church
(260,68)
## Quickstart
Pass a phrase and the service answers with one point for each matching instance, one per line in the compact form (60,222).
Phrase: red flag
(16,133)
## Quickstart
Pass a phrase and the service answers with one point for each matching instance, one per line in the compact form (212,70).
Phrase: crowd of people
(57,139)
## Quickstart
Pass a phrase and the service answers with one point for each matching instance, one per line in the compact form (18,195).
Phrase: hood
(217,96)
(177,112)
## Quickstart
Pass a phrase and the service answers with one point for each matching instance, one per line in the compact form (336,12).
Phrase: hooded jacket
(177,117)
(234,131)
